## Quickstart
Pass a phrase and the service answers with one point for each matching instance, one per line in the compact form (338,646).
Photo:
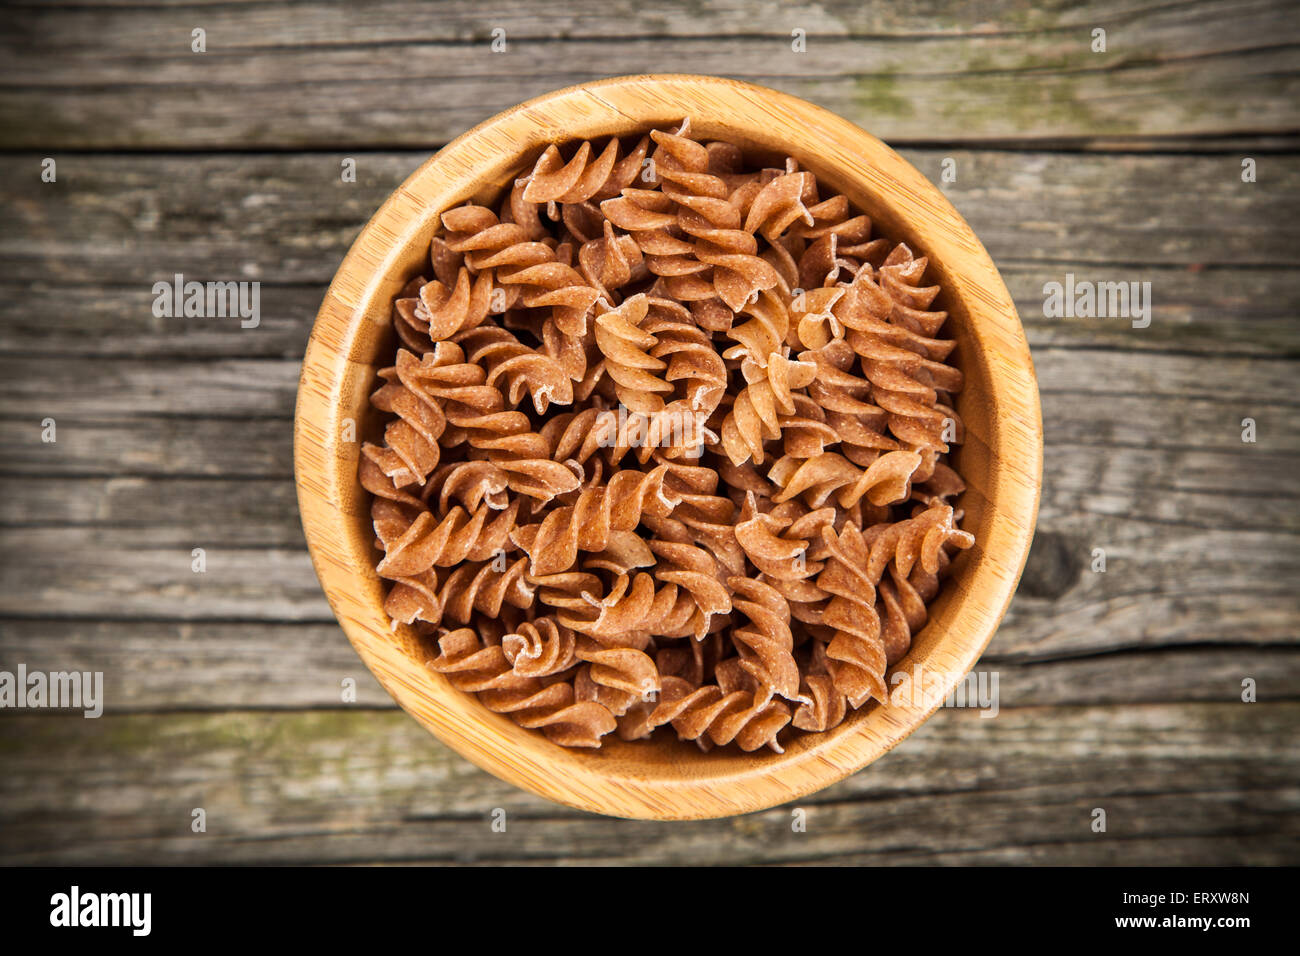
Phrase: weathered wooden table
(1120,690)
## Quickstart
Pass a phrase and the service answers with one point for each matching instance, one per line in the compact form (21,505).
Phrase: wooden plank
(73,74)
(257,23)
(1164,583)
(149,445)
(246,512)
(107,320)
(1221,311)
(1197,783)
(211,665)
(80,388)
(1182,486)
(214,666)
(146,573)
(85,387)
(125,222)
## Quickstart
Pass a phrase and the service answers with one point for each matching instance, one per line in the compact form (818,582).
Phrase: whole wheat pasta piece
(616,677)
(443,311)
(860,424)
(899,385)
(471,483)
(805,433)
(709,517)
(576,354)
(764,641)
(624,553)
(374,480)
(444,540)
(918,541)
(904,598)
(483,244)
(813,322)
(521,369)
(541,647)
(692,569)
(764,331)
(581,223)
(683,666)
(588,175)
(560,287)
(942,485)
(777,556)
(486,243)
(553,543)
(834,215)
(446,264)
(821,265)
(901,604)
(610,261)
(390,520)
(412,447)
(615,700)
(485,671)
(411,329)
(690,353)
(905,381)
(684,166)
(576,591)
(837,246)
(631,606)
(626,348)
(478,416)
(644,213)
(886,481)
(484,589)
(856,656)
(824,705)
(900,276)
(867,308)
(756,413)
(515,209)
(722,255)
(795,579)
(742,479)
(581,437)
(440,594)
(781,203)
(733,710)
(738,274)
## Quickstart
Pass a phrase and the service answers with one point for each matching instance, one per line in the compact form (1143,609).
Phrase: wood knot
(1055,563)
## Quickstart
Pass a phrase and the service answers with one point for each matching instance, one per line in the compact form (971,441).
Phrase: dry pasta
(665,448)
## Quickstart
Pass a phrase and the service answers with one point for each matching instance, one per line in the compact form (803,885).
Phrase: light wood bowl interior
(1000,460)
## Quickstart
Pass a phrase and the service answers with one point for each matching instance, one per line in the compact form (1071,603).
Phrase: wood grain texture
(287,219)
(213,666)
(390,74)
(191,178)
(1000,460)
(1183,783)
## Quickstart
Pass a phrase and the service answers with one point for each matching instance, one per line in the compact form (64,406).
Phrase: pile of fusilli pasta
(665,446)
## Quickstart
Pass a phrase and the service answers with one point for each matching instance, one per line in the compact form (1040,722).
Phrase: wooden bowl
(1000,460)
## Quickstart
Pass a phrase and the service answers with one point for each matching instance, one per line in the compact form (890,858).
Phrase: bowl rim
(329,493)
